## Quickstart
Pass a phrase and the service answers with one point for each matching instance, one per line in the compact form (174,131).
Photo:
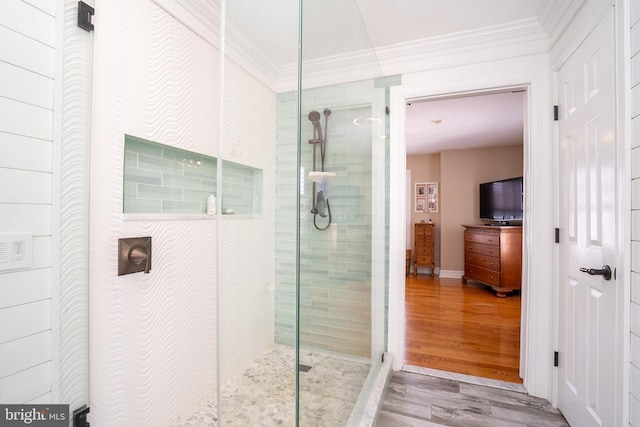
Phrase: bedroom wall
(459,172)
(425,168)
(462,171)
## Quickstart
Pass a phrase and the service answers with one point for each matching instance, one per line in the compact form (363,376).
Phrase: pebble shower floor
(265,394)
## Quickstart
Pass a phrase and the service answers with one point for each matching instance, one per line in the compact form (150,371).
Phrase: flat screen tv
(501,201)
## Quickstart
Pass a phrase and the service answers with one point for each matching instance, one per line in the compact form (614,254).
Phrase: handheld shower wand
(314,117)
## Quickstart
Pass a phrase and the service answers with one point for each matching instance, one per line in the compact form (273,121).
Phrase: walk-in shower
(304,345)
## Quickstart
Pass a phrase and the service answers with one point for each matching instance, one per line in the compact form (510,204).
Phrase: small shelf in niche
(160,180)
(185,217)
(317,176)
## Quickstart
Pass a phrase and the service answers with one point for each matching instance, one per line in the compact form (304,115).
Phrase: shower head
(326,111)
(314,116)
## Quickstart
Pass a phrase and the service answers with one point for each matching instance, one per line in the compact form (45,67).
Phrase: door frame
(536,325)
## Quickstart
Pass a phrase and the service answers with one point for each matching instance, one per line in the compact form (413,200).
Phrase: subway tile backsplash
(159,179)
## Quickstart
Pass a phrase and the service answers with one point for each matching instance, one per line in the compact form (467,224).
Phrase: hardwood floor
(462,328)
(468,330)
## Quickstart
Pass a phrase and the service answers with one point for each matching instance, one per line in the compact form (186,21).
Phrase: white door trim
(530,72)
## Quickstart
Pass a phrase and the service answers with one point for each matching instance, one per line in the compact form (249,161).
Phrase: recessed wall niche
(160,179)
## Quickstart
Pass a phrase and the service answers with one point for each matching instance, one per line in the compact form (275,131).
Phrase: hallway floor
(416,400)
(461,361)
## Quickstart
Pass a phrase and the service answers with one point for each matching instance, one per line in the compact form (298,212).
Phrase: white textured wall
(634,25)
(153,336)
(73,87)
(247,244)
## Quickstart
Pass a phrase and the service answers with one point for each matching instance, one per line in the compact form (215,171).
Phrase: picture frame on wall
(426,197)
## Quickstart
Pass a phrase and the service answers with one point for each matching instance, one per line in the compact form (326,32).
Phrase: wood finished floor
(468,330)
(414,400)
(462,328)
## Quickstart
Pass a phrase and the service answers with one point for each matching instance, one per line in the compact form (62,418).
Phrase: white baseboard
(451,274)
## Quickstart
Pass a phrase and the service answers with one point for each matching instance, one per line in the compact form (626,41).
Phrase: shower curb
(376,395)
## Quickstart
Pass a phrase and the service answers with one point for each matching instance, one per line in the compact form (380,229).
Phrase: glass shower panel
(300,282)
(256,373)
(342,235)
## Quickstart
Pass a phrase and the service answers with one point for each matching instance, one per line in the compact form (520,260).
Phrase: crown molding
(203,18)
(517,38)
(341,68)
(579,19)
(244,51)
(556,16)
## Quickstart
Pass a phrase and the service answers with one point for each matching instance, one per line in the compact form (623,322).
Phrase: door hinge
(555,113)
(382,357)
(85,12)
(80,417)
(386,110)
(555,359)
(557,235)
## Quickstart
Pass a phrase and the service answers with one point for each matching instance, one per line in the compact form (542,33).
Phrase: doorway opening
(460,141)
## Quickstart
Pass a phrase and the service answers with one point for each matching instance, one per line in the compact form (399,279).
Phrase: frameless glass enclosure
(302,280)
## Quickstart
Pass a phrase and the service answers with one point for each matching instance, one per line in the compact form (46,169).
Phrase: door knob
(605,271)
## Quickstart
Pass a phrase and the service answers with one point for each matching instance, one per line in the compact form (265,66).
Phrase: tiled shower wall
(160,179)
(335,264)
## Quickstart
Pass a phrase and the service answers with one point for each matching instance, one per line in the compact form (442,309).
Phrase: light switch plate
(16,251)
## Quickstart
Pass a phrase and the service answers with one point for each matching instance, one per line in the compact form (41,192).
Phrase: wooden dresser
(424,247)
(493,256)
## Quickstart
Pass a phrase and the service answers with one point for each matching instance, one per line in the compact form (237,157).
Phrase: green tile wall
(159,179)
(335,265)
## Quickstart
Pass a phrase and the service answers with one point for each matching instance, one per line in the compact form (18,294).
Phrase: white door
(588,239)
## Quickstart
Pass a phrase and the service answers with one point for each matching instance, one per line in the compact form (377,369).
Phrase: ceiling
(336,27)
(475,121)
